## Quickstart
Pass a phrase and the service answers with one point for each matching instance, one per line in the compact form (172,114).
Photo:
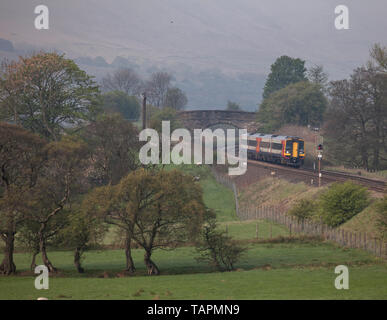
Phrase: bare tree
(124,79)
(157,88)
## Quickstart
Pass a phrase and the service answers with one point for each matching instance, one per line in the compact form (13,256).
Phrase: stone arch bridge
(202,119)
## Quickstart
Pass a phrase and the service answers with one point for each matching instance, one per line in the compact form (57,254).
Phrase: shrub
(303,209)
(341,202)
(217,248)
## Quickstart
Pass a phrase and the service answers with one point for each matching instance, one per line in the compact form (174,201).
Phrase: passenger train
(286,150)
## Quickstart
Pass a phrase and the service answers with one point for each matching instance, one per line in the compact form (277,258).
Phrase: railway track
(327,176)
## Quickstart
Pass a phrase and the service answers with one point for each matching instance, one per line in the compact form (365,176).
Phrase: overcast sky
(228,35)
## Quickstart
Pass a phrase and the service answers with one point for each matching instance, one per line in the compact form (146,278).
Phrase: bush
(120,102)
(303,209)
(217,248)
(341,202)
(381,222)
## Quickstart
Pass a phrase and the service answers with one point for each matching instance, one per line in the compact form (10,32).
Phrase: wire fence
(349,239)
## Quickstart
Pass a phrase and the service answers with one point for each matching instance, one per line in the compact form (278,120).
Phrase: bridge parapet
(202,119)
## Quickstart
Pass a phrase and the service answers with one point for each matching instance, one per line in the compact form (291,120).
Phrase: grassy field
(367,282)
(292,269)
(268,271)
(216,196)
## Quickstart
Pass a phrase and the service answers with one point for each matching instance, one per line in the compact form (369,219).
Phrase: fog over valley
(217,50)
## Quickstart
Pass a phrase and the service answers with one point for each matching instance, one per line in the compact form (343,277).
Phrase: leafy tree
(117,101)
(166,114)
(317,76)
(61,180)
(175,218)
(110,206)
(216,247)
(22,155)
(156,209)
(378,57)
(303,210)
(83,230)
(356,119)
(46,93)
(300,103)
(113,146)
(175,99)
(342,201)
(125,80)
(233,106)
(284,71)
(30,233)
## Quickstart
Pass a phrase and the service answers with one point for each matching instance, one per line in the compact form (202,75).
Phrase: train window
(289,145)
(265,144)
(276,146)
(301,146)
(252,143)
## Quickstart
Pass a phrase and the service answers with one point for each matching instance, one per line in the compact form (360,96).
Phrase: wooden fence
(360,240)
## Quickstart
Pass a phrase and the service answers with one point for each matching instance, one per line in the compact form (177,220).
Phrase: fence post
(375,245)
(355,240)
(380,248)
(256,230)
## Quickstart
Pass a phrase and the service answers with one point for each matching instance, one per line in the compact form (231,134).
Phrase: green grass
(269,271)
(365,283)
(295,270)
(182,260)
(242,230)
(215,195)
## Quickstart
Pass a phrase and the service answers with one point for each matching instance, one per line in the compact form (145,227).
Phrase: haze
(232,41)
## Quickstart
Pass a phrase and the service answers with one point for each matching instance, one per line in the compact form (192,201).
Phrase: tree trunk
(375,161)
(33,262)
(364,157)
(7,266)
(128,253)
(150,265)
(46,261)
(77,260)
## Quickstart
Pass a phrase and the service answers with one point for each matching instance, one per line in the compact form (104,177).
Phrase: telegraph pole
(144,110)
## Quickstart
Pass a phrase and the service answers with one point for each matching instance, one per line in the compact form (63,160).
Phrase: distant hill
(6,45)
(212,47)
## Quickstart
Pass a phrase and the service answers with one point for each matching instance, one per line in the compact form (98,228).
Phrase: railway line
(311,176)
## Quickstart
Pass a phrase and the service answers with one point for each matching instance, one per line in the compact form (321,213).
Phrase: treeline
(159,90)
(69,169)
(351,112)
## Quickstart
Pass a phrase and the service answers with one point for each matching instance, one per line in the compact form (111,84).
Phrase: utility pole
(319,170)
(319,156)
(144,110)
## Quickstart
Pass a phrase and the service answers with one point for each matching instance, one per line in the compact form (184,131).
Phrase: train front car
(277,149)
(294,154)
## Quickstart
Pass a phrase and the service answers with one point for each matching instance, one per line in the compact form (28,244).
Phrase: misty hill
(199,40)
